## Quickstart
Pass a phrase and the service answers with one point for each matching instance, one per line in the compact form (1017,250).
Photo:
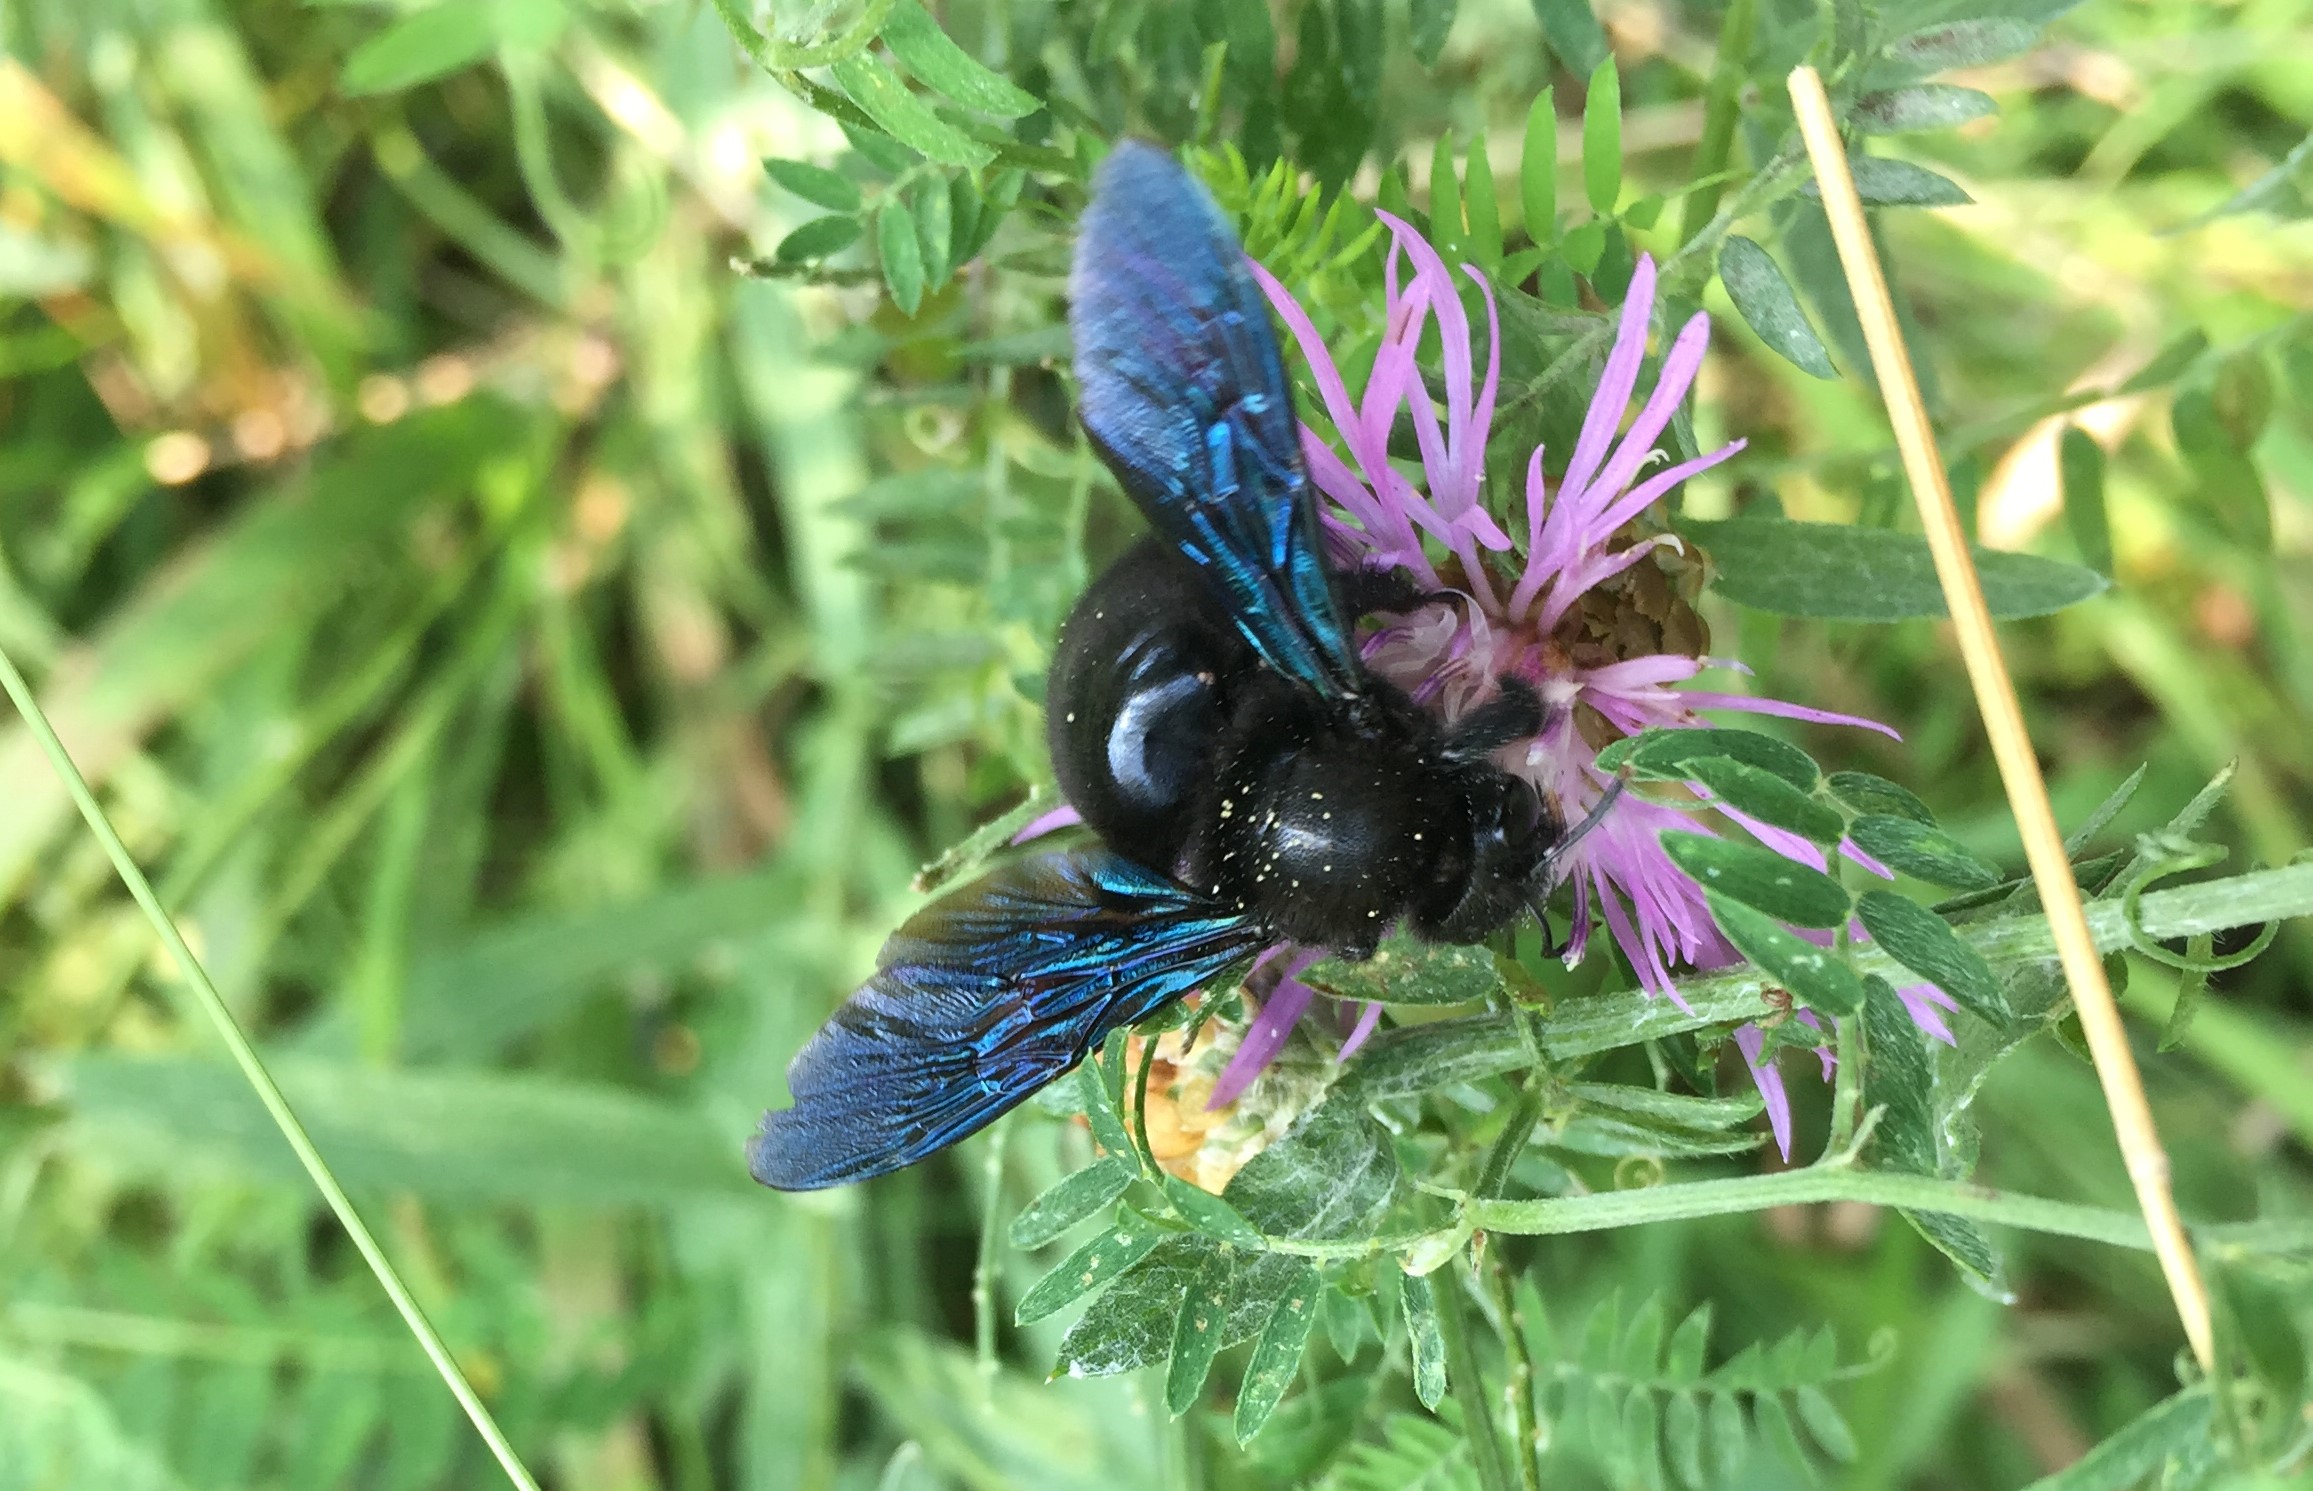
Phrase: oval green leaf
(1815,976)
(1923,106)
(902,257)
(1076,1197)
(1602,139)
(421,47)
(1209,1214)
(1882,182)
(1862,793)
(814,184)
(818,238)
(1277,1355)
(1768,798)
(1837,572)
(1924,943)
(906,118)
(1922,852)
(1092,1267)
(1405,970)
(1427,1345)
(1756,285)
(1197,1333)
(1433,21)
(1661,755)
(1760,878)
(933,56)
(1538,168)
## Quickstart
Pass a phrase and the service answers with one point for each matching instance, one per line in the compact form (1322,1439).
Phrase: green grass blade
(245,1056)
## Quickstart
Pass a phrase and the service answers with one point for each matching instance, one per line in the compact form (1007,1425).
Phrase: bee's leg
(1516,713)
(1363,591)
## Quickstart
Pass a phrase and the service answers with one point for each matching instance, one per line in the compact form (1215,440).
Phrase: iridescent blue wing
(980,999)
(1185,396)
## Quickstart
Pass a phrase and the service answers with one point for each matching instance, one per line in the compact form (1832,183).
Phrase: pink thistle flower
(1495,614)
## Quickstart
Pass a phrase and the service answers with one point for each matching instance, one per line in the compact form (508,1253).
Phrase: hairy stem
(1465,1383)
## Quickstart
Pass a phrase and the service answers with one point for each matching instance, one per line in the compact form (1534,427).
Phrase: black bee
(1250,782)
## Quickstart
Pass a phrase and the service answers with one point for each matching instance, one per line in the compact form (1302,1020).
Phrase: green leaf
(2285,192)
(1760,878)
(2080,464)
(2169,363)
(818,238)
(906,118)
(1923,106)
(1882,182)
(1134,1321)
(1836,572)
(1100,1111)
(1959,44)
(1899,1079)
(1923,852)
(1730,1436)
(1768,798)
(1277,1355)
(1924,943)
(935,229)
(1683,1109)
(1446,230)
(928,52)
(814,184)
(1642,1438)
(1423,1340)
(421,47)
(902,258)
(1573,32)
(1333,1175)
(1432,21)
(1583,247)
(2175,1426)
(1208,1213)
(1661,755)
(1538,168)
(1075,1197)
(1756,285)
(1683,1439)
(1480,208)
(1815,976)
(1347,1323)
(1197,1334)
(1602,139)
(2231,489)
(1406,970)
(1862,792)
(1683,1362)
(1092,1267)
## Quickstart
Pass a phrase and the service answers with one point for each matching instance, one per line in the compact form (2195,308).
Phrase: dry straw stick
(253,1067)
(2003,716)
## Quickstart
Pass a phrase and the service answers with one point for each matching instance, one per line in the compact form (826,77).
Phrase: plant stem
(1525,1434)
(1414,1057)
(1721,111)
(212,1004)
(984,1269)
(1466,1384)
(1840,1181)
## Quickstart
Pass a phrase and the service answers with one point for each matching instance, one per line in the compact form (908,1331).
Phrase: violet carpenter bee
(1249,781)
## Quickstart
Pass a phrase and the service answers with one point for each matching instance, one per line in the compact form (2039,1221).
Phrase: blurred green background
(492,616)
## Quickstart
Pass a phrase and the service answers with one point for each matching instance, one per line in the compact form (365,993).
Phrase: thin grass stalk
(2003,716)
(212,1004)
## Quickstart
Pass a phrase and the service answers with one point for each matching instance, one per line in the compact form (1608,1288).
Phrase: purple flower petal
(1782,710)
(1060,817)
(1615,383)
(1752,1041)
(1367,1019)
(1266,1036)
(1925,1003)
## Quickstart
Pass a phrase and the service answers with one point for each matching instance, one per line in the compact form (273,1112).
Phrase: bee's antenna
(1591,819)
(1539,903)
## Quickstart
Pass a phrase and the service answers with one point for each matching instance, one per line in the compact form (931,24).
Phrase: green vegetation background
(457,577)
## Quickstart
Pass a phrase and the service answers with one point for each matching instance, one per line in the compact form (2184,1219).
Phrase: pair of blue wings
(990,993)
